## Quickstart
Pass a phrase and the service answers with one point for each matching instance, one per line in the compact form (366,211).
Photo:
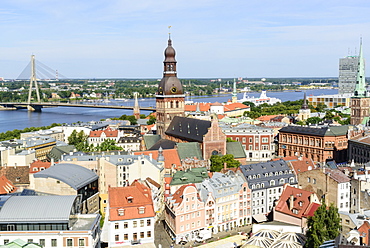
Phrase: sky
(212,38)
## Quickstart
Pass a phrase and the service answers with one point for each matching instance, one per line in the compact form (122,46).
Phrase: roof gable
(189,129)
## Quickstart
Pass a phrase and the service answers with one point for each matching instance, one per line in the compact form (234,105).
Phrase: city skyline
(212,38)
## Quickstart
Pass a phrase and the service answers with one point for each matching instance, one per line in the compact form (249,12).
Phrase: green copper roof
(189,150)
(236,149)
(360,89)
(150,140)
(194,175)
(19,243)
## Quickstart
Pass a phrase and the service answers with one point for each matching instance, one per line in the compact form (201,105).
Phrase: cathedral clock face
(173,90)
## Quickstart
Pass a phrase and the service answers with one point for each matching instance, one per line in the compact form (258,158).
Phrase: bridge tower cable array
(33,81)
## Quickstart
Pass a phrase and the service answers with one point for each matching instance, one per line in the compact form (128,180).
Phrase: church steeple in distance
(360,89)
(304,105)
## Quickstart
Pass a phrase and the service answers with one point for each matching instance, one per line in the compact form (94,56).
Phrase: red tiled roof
(38,165)
(171,157)
(301,202)
(108,133)
(298,164)
(364,229)
(130,199)
(266,117)
(235,106)
(6,186)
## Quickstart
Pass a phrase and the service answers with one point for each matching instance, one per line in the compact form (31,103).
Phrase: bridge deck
(53,104)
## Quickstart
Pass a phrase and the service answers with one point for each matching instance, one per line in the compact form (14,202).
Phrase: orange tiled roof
(130,199)
(177,196)
(203,106)
(171,157)
(301,202)
(38,165)
(108,133)
(298,164)
(235,106)
(6,186)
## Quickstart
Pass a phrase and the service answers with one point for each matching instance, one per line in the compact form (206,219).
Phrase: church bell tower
(170,98)
(360,102)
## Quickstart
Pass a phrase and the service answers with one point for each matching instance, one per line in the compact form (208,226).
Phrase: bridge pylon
(33,81)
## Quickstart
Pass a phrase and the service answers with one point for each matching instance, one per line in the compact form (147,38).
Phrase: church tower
(305,111)
(360,102)
(170,98)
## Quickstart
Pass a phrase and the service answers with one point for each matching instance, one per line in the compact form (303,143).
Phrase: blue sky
(212,38)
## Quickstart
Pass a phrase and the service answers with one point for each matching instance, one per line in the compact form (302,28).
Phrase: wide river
(20,119)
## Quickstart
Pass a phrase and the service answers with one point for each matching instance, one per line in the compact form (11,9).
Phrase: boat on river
(263,98)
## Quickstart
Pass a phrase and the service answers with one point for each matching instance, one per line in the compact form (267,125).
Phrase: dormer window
(121,212)
(130,199)
(141,210)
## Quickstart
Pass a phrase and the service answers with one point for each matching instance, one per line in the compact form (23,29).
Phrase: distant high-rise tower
(360,102)
(170,98)
(348,68)
(234,97)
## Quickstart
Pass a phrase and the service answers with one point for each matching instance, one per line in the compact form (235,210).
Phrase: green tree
(332,222)
(301,123)
(108,145)
(313,120)
(317,233)
(228,139)
(323,226)
(217,162)
(79,140)
(230,161)
(251,104)
(320,107)
(329,115)
(253,114)
(151,120)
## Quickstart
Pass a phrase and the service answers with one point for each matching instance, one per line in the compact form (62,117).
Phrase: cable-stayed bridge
(44,72)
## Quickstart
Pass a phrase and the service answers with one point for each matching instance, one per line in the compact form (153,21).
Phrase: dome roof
(169,52)
(170,86)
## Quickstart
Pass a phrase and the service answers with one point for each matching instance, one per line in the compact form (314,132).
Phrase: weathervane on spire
(169,32)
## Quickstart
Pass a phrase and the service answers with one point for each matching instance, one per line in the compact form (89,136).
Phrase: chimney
(291,202)
(150,156)
(52,162)
(225,166)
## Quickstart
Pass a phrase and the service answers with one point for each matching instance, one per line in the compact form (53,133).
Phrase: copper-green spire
(360,90)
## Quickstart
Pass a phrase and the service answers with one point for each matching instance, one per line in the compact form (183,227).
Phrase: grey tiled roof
(74,175)
(189,129)
(317,131)
(40,209)
(264,173)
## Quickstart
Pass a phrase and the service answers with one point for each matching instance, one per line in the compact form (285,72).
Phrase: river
(20,119)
